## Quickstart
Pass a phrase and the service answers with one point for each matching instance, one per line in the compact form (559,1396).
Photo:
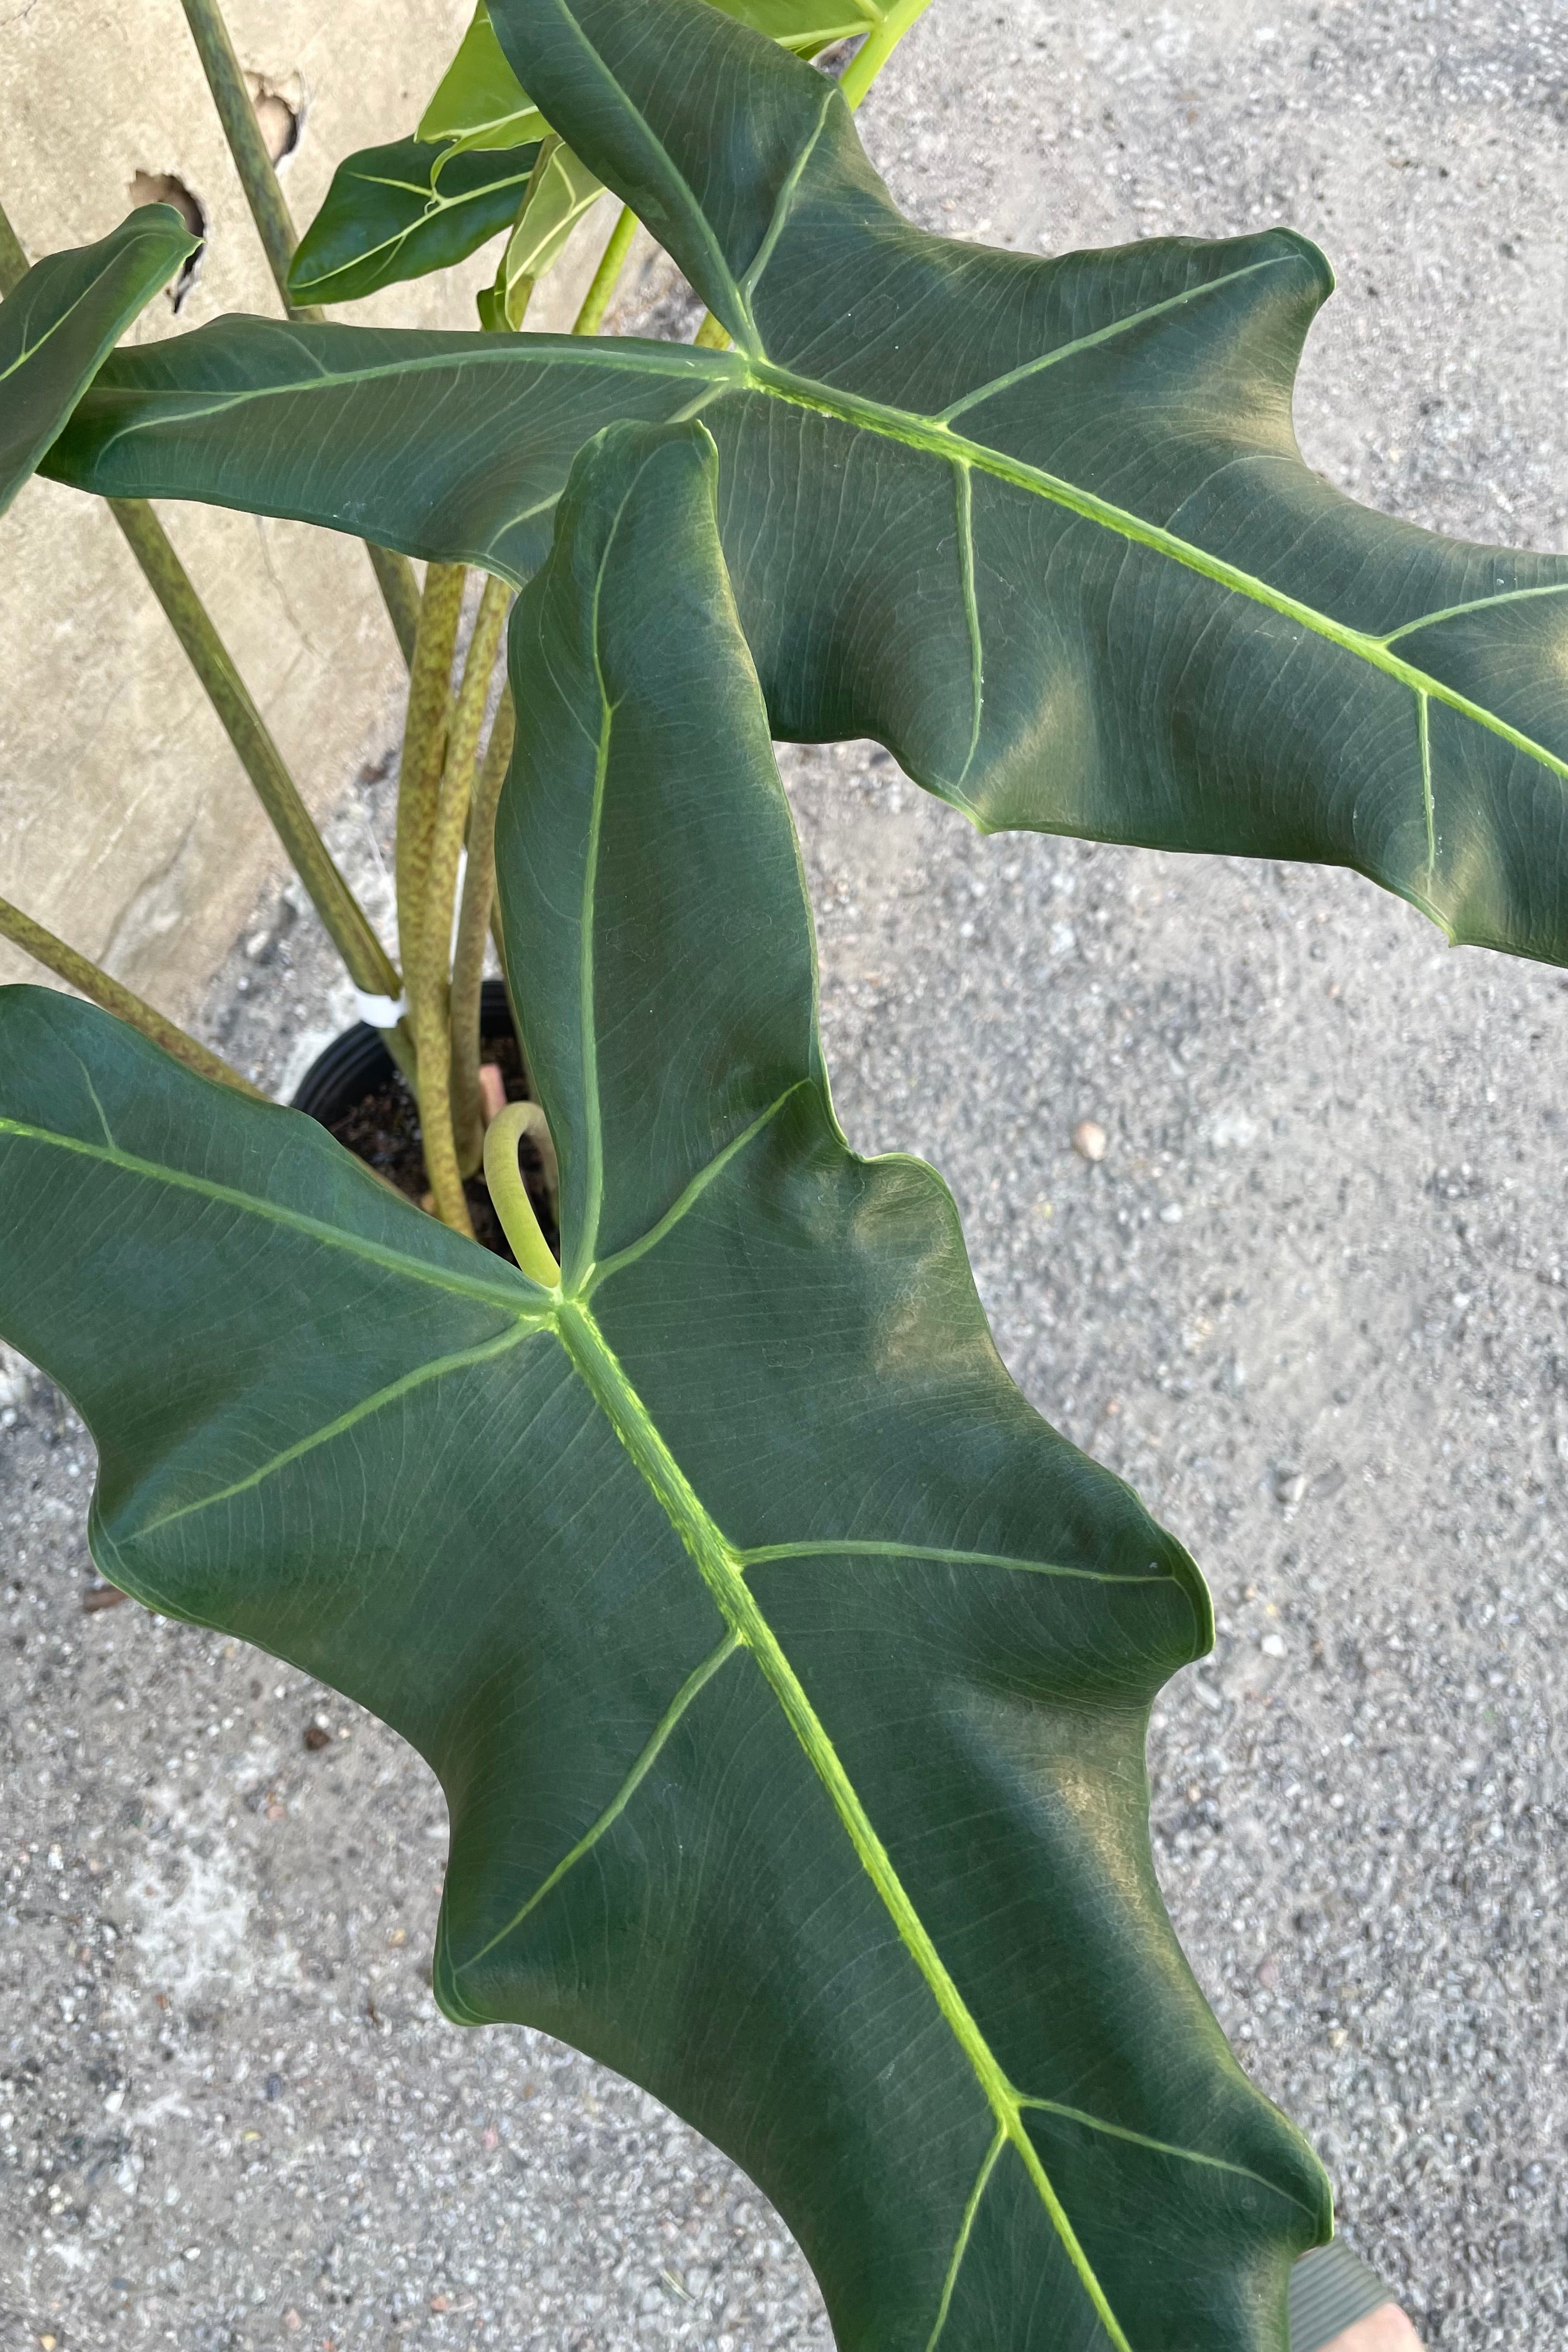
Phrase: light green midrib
(720,1567)
(731,371)
(435,205)
(697,218)
(935,440)
(516,1301)
(630,356)
(29,351)
(588,1035)
(594,1195)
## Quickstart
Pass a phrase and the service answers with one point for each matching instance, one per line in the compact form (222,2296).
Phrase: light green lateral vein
(1476,604)
(695,1682)
(964,495)
(961,2245)
(407,188)
(935,438)
(721,1568)
(672,1216)
(93,1096)
(418,1378)
(1163,2148)
(1423,728)
(850,1547)
(1106,334)
(517,1297)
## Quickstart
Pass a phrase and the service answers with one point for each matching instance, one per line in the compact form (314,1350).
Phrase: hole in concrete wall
(833,60)
(279,115)
(164,188)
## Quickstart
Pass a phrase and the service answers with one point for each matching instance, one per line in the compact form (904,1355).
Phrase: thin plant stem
(452,827)
(275,226)
(855,80)
(399,592)
(92,981)
(877,47)
(369,966)
(473,928)
(424,753)
(434,1041)
(602,285)
(424,953)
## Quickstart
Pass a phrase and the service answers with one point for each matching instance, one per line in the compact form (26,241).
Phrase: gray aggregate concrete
(1312,1302)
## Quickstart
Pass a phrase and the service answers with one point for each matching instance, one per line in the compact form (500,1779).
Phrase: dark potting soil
(383,1129)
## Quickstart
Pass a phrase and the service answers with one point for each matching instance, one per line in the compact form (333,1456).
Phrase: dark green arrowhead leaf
(786,1675)
(1041,527)
(58,323)
(390,214)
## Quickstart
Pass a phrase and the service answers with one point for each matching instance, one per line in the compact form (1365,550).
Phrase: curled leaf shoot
(508,1195)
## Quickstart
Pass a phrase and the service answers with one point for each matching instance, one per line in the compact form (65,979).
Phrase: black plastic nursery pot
(356,1091)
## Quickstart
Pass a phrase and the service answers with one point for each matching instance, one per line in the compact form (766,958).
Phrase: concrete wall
(126,822)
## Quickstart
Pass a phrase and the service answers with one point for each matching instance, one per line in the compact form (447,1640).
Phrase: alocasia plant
(1041,527)
(786,1675)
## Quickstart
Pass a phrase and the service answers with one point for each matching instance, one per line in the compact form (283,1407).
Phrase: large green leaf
(1041,527)
(60,321)
(786,1675)
(389,214)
